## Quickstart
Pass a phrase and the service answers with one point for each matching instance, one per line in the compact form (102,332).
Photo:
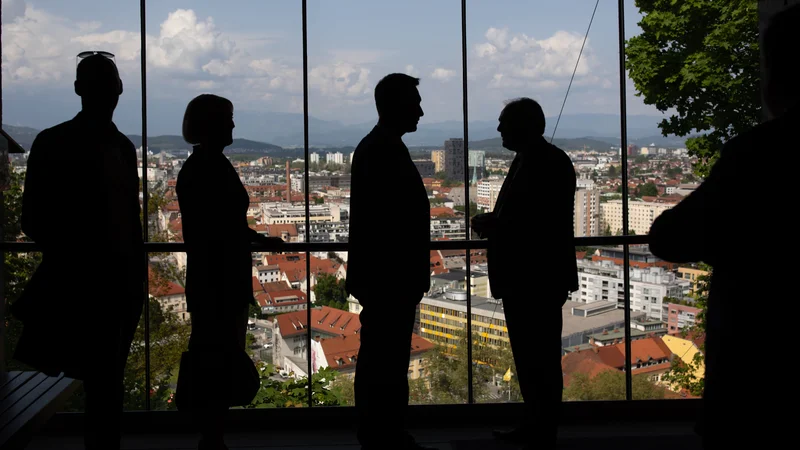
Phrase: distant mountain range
(281,134)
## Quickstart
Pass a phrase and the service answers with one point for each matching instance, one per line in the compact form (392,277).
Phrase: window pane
(352,46)
(40,47)
(249,52)
(532,53)
(283,304)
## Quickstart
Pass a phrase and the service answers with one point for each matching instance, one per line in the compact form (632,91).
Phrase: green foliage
(330,291)
(647,190)
(699,58)
(440,176)
(612,172)
(293,393)
(610,385)
(473,209)
(319,200)
(18,267)
(640,159)
(446,377)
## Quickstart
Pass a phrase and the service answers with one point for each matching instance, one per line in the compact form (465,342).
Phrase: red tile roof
(345,348)
(324,319)
(276,286)
(257,285)
(441,211)
(281,298)
(294,265)
(597,359)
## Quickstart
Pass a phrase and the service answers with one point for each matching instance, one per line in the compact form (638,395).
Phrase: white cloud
(443,74)
(202,85)
(12,9)
(508,61)
(186,43)
(340,79)
(410,70)
(497,37)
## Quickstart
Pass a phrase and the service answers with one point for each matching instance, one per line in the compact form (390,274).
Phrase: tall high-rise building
(314,158)
(335,158)
(437,156)
(587,212)
(454,159)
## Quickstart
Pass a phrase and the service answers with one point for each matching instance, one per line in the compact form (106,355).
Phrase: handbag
(230,378)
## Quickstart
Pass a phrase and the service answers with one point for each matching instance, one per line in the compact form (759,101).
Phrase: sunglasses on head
(88,53)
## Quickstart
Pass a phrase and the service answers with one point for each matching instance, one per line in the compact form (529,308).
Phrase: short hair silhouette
(781,43)
(96,72)
(201,113)
(526,110)
(391,90)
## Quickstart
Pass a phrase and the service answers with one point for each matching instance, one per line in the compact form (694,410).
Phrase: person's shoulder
(56,132)
(776,132)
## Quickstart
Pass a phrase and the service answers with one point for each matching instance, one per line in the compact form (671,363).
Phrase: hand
(269,240)
(483,223)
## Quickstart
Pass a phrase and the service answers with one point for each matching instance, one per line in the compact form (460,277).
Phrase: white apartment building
(448,228)
(640,215)
(488,190)
(603,281)
(335,158)
(324,232)
(267,274)
(281,213)
(313,158)
(454,158)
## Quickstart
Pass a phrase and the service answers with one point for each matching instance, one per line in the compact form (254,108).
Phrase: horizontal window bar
(297,247)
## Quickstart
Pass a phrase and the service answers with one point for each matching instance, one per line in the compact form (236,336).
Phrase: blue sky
(250,51)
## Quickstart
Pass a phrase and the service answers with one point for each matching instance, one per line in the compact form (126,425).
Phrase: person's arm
(688,232)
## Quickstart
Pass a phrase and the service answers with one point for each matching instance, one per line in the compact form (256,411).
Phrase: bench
(27,401)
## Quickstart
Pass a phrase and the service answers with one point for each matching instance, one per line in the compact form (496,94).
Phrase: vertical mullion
(308,213)
(470,394)
(624,165)
(146,216)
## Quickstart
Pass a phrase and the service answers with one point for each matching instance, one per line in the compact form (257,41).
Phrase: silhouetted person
(387,318)
(523,245)
(219,289)
(722,223)
(81,307)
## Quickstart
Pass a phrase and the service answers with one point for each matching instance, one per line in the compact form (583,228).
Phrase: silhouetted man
(722,224)
(527,244)
(389,295)
(81,307)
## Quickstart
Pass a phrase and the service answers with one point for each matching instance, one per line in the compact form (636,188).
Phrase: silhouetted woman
(213,204)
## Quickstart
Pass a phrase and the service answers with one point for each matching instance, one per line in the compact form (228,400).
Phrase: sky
(251,52)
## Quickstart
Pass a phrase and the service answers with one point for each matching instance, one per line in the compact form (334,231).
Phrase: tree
(330,291)
(612,172)
(607,230)
(293,393)
(473,209)
(440,176)
(647,190)
(640,159)
(447,371)
(610,385)
(319,200)
(699,58)
(18,267)
(250,342)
